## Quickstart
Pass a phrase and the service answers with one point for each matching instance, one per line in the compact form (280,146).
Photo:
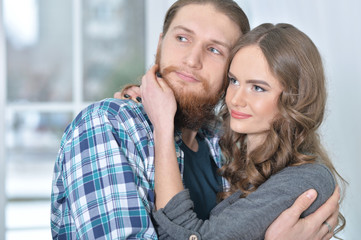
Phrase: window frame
(154,14)
(73,107)
(3,97)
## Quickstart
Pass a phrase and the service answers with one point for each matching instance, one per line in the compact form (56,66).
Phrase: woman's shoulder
(309,171)
(297,179)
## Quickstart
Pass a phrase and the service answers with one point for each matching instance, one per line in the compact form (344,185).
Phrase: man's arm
(289,225)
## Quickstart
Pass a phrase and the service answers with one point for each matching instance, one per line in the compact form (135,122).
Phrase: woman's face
(252,94)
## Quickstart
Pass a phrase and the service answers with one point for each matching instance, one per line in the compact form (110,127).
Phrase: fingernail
(126,96)
(311,194)
(139,99)
(158,74)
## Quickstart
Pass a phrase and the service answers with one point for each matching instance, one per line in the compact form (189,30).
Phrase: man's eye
(213,50)
(182,39)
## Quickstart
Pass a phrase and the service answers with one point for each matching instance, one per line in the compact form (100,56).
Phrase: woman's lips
(239,115)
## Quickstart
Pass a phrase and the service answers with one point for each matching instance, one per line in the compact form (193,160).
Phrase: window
(58,57)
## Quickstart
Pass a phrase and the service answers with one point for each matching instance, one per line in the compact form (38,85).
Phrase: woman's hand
(160,104)
(131,91)
(158,99)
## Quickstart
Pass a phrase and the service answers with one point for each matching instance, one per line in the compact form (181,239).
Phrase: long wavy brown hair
(292,139)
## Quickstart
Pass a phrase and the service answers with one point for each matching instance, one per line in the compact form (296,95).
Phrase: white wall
(335,27)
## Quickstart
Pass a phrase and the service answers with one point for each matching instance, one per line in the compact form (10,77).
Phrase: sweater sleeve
(246,218)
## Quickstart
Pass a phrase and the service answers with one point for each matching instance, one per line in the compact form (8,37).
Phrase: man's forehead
(206,21)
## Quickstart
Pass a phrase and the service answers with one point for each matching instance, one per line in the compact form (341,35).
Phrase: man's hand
(289,225)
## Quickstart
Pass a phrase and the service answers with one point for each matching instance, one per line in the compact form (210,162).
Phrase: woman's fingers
(131,92)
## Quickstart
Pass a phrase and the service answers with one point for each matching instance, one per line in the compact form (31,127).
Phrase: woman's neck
(254,140)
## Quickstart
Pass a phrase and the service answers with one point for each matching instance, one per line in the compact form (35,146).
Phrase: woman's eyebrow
(255,81)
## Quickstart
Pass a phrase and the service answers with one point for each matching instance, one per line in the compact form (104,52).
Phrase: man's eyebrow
(212,40)
(222,44)
(183,28)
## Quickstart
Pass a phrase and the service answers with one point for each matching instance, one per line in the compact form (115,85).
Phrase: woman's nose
(239,98)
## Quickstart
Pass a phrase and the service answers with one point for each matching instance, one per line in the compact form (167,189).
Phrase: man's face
(193,56)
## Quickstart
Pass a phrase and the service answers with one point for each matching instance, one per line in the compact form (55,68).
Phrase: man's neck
(189,139)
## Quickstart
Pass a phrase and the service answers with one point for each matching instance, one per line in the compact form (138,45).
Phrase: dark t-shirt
(201,178)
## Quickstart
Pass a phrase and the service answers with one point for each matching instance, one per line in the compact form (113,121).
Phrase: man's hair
(228,7)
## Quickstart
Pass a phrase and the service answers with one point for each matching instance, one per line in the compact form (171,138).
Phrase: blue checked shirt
(103,183)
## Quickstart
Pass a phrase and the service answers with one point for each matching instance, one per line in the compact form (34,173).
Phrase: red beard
(194,109)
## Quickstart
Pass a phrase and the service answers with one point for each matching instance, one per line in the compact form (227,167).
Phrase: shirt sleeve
(101,187)
(246,218)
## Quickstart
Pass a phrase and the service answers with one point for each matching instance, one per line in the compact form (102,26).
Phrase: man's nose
(194,57)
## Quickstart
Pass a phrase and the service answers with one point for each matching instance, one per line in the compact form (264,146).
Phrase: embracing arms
(288,225)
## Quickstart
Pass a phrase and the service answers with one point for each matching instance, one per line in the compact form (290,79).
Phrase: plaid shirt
(103,183)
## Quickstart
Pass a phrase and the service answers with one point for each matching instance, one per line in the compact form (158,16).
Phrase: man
(104,174)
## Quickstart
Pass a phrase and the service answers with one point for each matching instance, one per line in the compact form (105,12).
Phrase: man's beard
(194,109)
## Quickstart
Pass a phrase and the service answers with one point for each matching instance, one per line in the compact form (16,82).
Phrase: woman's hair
(228,7)
(292,139)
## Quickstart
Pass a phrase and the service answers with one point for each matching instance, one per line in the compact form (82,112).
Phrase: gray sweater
(245,218)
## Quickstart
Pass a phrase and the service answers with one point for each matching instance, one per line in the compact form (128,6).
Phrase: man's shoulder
(111,107)
(116,111)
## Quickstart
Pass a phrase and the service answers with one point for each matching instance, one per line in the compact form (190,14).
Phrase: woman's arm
(289,225)
(160,106)
(247,218)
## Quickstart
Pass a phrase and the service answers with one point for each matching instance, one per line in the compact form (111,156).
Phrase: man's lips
(239,115)
(186,77)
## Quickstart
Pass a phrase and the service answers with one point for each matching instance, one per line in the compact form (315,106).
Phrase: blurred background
(56,57)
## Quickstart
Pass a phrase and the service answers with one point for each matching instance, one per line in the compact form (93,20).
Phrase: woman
(274,104)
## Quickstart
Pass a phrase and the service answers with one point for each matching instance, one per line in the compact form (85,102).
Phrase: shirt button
(193,237)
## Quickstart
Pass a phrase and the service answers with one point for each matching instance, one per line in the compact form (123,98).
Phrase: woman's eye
(233,81)
(213,50)
(258,88)
(182,39)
